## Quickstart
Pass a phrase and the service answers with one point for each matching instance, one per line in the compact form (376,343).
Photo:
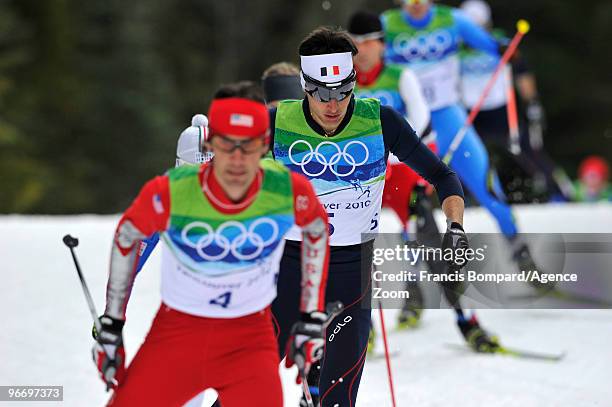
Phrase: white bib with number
(440,82)
(351,213)
(231,295)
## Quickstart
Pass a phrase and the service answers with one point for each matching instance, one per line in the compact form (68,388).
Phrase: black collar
(317,128)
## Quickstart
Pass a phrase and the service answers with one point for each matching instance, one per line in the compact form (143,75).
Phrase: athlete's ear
(265,150)
(266,144)
(381,48)
(267,138)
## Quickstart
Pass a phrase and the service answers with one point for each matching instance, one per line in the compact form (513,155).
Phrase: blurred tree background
(93,95)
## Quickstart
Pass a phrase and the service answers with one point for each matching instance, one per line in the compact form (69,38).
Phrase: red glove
(108,352)
(306,343)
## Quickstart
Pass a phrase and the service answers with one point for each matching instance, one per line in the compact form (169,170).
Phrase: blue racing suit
(430,47)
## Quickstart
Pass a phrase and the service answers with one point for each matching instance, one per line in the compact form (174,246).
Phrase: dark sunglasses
(228,145)
(324,92)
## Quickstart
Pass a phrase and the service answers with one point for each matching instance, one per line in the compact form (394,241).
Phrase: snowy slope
(45,327)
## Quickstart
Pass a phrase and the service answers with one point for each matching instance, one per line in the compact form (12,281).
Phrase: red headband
(594,164)
(238,117)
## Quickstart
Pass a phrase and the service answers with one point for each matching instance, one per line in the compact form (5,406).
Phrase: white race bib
(351,212)
(231,295)
(440,82)
(473,84)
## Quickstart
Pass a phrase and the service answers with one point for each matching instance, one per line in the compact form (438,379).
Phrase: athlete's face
(328,115)
(236,162)
(417,8)
(593,181)
(369,55)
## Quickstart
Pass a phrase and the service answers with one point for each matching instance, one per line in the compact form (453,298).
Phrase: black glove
(476,337)
(108,352)
(306,342)
(456,240)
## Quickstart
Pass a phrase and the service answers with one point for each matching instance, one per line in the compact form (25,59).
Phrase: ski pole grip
(333,308)
(523,26)
(70,241)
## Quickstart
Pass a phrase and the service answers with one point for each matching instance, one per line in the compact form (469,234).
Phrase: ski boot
(409,318)
(371,340)
(477,338)
(522,256)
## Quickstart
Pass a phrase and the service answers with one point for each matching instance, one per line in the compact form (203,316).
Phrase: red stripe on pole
(384,332)
(505,58)
(513,124)
(476,109)
(512,112)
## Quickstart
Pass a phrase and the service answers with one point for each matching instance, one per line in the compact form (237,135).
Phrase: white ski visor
(377,35)
(328,68)
(324,92)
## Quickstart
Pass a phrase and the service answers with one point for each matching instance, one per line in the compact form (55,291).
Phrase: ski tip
(70,241)
(558,357)
(547,357)
(517,353)
(523,26)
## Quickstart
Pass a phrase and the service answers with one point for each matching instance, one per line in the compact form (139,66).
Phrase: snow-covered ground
(45,325)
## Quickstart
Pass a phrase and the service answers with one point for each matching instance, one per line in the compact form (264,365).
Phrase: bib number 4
(223,300)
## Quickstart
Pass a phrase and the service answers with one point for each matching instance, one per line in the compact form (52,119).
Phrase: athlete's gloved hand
(456,240)
(108,352)
(476,337)
(306,342)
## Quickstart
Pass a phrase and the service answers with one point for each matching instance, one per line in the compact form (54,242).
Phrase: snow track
(45,325)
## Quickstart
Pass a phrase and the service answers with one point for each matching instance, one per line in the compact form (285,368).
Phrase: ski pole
(515,145)
(71,243)
(386,345)
(333,309)
(523,28)
(306,389)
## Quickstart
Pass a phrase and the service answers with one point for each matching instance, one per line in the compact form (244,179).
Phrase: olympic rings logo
(425,46)
(220,239)
(333,160)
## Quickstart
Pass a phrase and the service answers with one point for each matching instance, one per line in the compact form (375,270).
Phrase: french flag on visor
(332,70)
(328,68)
